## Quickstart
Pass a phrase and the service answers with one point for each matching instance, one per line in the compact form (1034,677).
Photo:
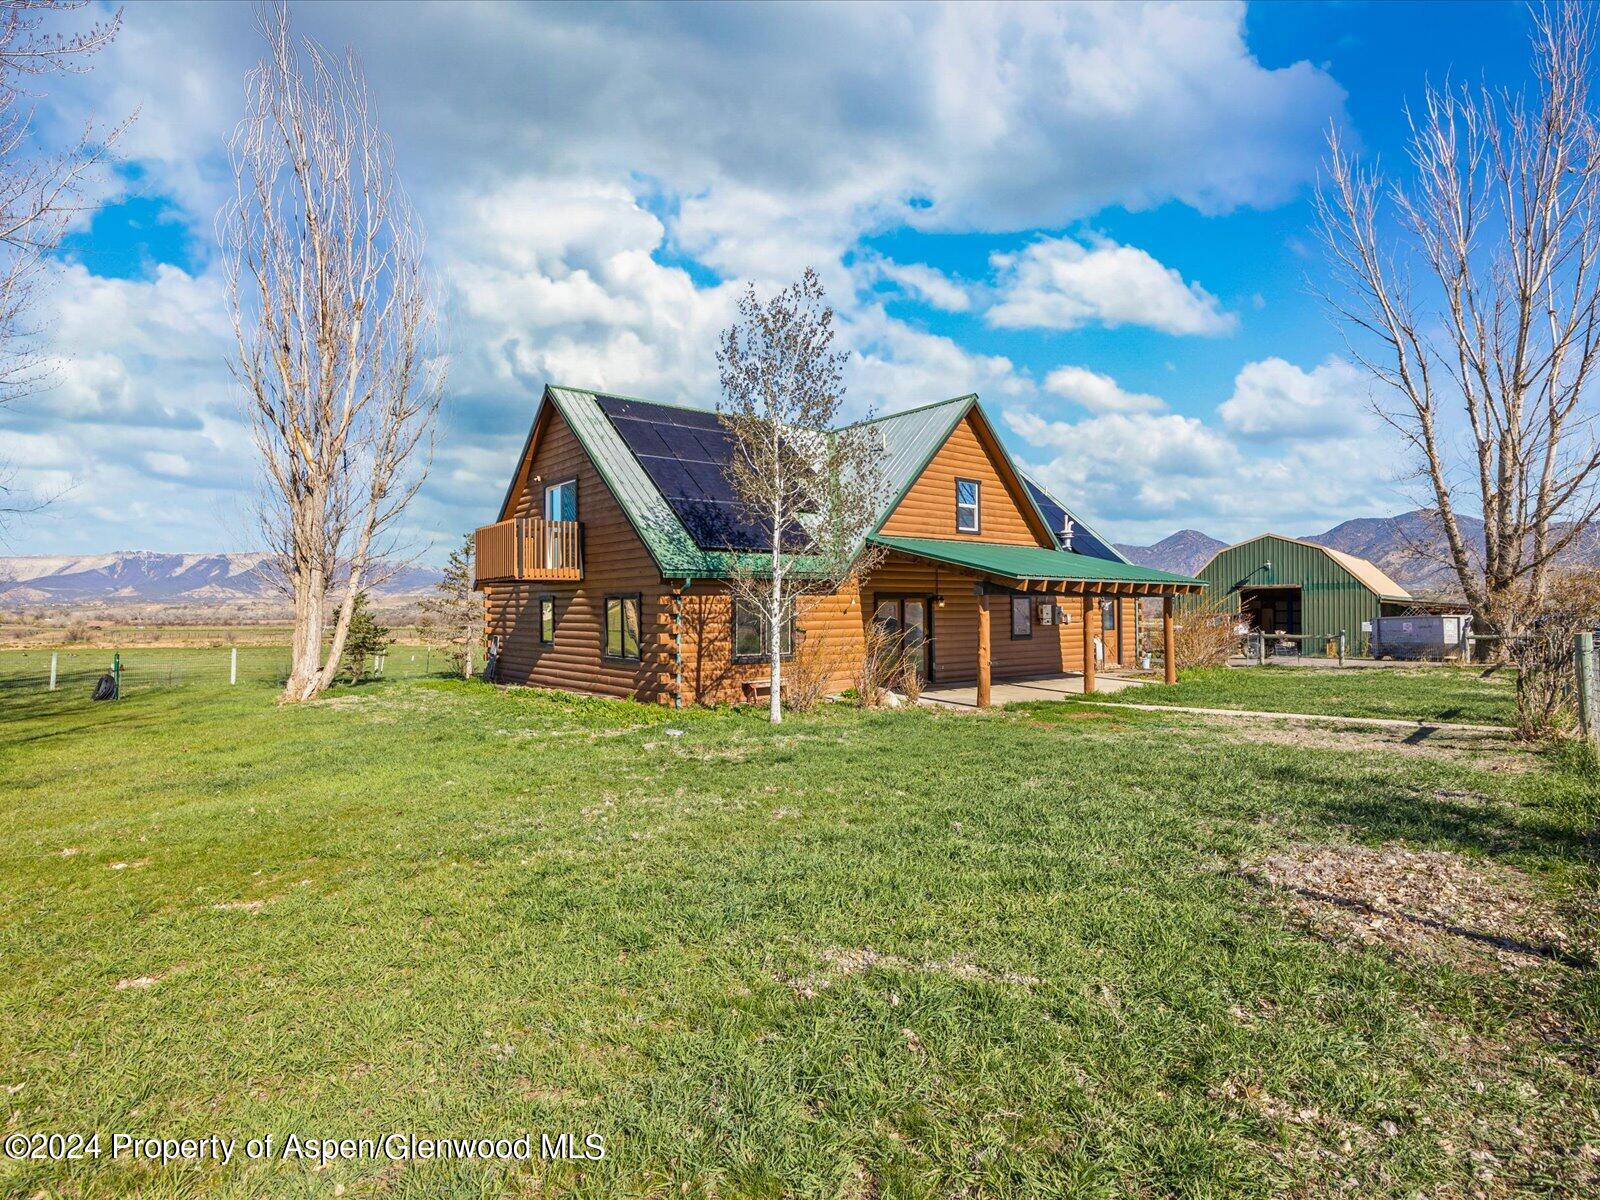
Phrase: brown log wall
(614,561)
(928,509)
(830,628)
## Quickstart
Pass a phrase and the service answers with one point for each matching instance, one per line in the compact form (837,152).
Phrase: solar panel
(685,453)
(1083,542)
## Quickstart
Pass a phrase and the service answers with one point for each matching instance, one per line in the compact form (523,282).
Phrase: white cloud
(1284,453)
(921,282)
(1059,283)
(1276,399)
(782,134)
(563,157)
(1099,393)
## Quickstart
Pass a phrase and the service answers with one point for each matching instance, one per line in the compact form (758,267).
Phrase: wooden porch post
(983,648)
(1091,618)
(1169,653)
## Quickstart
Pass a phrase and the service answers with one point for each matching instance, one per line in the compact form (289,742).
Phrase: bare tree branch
(1471,294)
(335,322)
(40,191)
(814,491)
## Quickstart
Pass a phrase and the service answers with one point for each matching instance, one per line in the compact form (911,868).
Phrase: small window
(1021,617)
(966,506)
(547,620)
(561,501)
(622,627)
(750,641)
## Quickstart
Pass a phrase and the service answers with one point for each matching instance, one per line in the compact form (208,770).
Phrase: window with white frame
(967,506)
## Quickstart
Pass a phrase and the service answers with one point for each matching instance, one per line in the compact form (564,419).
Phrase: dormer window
(966,506)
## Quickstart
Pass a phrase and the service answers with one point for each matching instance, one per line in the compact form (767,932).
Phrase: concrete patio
(1037,687)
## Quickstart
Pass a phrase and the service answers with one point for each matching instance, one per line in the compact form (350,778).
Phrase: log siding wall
(928,509)
(615,561)
(830,629)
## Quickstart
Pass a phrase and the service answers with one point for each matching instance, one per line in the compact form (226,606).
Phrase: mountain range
(1410,548)
(142,576)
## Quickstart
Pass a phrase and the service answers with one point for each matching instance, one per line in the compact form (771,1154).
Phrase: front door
(911,617)
(1110,632)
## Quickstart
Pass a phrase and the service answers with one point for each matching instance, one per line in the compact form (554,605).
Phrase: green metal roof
(910,440)
(1030,562)
(647,510)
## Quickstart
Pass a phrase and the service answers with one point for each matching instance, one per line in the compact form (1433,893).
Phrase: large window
(750,641)
(622,627)
(547,620)
(966,506)
(1021,617)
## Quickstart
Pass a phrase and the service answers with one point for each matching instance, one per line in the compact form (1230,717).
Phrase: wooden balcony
(529,548)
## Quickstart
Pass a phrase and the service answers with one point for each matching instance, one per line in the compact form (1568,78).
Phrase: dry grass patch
(1423,904)
(842,963)
(1488,751)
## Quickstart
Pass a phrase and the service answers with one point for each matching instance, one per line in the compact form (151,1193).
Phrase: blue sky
(1097,217)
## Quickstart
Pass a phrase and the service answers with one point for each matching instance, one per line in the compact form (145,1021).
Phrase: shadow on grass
(1489,827)
(1547,951)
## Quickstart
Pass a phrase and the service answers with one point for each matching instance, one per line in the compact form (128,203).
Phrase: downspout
(677,641)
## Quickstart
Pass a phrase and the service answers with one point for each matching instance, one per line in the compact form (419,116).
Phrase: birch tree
(335,323)
(41,190)
(813,491)
(1471,293)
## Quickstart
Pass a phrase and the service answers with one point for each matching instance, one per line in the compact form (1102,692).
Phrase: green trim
(906,412)
(1071,512)
(968,403)
(1029,562)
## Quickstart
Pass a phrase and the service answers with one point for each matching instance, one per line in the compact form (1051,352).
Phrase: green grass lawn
(1456,694)
(433,907)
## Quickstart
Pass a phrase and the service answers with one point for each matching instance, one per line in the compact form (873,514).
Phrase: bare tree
(1472,295)
(335,322)
(814,491)
(41,191)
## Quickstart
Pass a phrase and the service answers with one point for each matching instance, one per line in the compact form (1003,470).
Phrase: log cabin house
(606,569)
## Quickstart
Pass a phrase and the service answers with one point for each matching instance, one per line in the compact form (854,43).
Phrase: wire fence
(139,669)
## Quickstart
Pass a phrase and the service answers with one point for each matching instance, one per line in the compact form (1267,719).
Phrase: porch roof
(1036,563)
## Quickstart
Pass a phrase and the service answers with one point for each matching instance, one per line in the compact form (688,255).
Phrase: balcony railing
(530,548)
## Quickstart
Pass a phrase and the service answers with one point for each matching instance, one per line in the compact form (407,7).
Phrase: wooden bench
(757,689)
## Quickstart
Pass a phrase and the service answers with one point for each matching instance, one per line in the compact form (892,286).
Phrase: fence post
(53,656)
(1588,700)
(1261,647)
(1341,647)
(233,666)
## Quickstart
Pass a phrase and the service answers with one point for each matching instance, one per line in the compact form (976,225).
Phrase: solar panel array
(686,453)
(1083,542)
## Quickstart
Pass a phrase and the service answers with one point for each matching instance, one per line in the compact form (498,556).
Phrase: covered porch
(1081,600)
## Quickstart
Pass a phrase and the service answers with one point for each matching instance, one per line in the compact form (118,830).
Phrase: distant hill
(142,577)
(1409,547)
(1184,552)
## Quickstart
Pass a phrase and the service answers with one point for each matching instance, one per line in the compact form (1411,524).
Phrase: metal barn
(1287,586)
